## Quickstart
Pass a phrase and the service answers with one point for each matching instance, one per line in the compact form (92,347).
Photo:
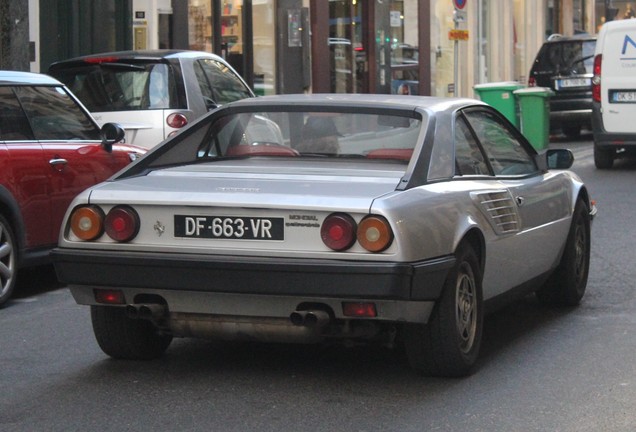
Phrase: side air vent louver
(500,210)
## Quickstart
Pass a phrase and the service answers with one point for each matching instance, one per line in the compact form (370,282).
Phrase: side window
(505,152)
(54,115)
(158,89)
(219,83)
(469,159)
(14,125)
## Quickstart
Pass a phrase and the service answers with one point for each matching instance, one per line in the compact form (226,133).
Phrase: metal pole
(456,56)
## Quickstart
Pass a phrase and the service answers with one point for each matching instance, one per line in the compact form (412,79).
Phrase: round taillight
(338,231)
(375,233)
(122,223)
(87,222)
(176,120)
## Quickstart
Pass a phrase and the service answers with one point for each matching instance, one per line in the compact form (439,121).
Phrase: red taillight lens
(114,297)
(596,80)
(360,310)
(122,223)
(532,82)
(375,233)
(338,231)
(98,60)
(176,120)
(87,223)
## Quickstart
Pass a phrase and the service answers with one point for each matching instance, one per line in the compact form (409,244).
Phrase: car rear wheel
(448,345)
(8,260)
(572,131)
(566,286)
(603,158)
(124,338)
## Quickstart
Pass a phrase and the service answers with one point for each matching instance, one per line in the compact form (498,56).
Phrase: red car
(51,149)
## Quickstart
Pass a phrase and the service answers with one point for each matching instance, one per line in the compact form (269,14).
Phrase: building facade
(428,47)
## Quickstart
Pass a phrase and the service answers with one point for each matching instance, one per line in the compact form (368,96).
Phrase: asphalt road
(540,369)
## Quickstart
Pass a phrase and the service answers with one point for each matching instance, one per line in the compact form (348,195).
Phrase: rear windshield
(322,136)
(571,57)
(122,87)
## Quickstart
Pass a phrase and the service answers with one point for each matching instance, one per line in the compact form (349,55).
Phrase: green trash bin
(500,96)
(534,108)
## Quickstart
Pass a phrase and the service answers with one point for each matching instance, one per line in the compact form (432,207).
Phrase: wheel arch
(10,209)
(584,195)
(475,239)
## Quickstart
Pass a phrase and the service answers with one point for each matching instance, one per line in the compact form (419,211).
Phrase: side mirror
(112,133)
(559,159)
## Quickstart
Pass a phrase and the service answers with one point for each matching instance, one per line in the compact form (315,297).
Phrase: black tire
(124,338)
(448,345)
(566,286)
(8,260)
(603,158)
(572,131)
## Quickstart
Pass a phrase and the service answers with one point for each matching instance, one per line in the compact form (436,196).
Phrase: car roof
(153,55)
(557,38)
(26,78)
(344,100)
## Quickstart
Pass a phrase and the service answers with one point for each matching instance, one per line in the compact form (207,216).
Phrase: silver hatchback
(153,93)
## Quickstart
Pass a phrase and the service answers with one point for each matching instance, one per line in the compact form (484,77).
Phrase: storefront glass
(264,25)
(610,10)
(404,50)
(200,25)
(442,49)
(347,54)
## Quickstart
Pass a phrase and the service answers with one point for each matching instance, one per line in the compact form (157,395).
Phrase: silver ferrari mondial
(329,217)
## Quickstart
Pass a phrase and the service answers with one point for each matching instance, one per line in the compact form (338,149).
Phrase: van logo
(627,42)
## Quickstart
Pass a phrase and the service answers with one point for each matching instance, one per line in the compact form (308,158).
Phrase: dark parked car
(151,93)
(51,149)
(564,64)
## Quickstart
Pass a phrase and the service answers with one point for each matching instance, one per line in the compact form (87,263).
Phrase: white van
(614,92)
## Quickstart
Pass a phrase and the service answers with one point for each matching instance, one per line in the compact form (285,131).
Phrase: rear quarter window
(218,83)
(54,115)
(14,125)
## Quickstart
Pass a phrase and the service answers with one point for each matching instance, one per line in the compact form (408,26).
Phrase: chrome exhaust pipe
(132,311)
(309,318)
(150,312)
(297,318)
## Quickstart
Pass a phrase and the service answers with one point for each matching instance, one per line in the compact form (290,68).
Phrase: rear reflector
(359,310)
(112,297)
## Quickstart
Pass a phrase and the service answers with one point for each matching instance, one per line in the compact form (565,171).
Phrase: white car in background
(151,93)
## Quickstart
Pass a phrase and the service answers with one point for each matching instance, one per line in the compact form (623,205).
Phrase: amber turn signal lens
(375,234)
(87,223)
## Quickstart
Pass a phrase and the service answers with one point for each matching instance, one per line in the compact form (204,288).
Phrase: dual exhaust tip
(151,312)
(301,318)
(309,318)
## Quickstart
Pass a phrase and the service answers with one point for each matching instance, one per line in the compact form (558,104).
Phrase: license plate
(574,82)
(229,227)
(623,96)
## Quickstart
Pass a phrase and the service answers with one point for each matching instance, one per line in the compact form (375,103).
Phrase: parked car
(309,218)
(50,150)
(614,93)
(153,93)
(564,64)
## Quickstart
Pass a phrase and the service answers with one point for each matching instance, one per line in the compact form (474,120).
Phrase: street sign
(459,4)
(458,35)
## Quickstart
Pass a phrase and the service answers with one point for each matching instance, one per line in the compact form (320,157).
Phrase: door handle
(58,163)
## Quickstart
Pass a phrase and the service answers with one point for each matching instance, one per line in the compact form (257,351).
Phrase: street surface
(540,369)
